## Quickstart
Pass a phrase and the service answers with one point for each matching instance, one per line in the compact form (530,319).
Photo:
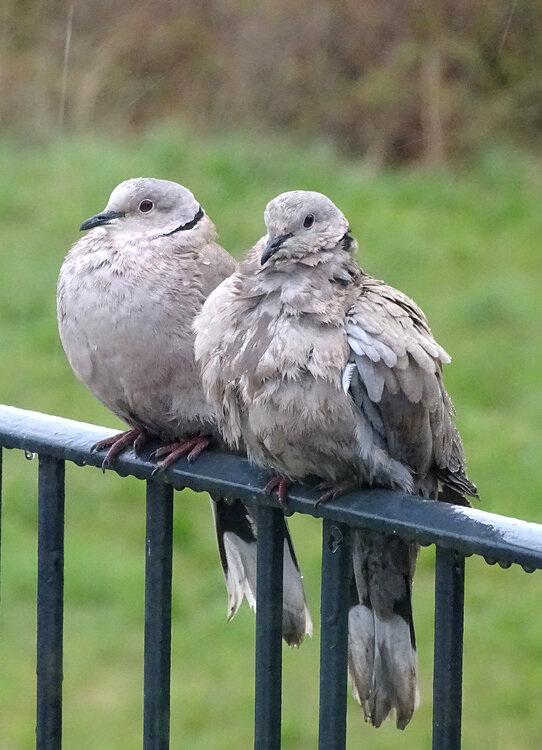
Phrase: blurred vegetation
(392,81)
(464,242)
(254,99)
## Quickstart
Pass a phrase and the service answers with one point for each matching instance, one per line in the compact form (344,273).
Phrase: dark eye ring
(146,206)
(309,221)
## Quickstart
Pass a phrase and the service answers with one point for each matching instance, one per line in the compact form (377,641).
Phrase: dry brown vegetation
(393,81)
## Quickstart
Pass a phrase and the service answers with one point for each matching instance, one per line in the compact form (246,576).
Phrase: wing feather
(397,384)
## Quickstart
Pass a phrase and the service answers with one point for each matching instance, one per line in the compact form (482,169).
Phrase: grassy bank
(465,245)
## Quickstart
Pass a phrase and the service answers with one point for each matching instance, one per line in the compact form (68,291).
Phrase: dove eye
(309,221)
(146,206)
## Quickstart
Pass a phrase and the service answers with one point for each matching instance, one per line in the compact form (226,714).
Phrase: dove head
(302,223)
(145,207)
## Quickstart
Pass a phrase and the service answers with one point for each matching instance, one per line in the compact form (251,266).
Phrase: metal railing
(457,533)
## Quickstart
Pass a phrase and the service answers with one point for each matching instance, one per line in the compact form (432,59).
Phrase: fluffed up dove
(325,373)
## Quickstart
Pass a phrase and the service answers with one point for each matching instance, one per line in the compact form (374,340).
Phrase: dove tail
(382,657)
(236,531)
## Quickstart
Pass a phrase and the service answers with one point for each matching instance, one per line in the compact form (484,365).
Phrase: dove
(127,295)
(327,374)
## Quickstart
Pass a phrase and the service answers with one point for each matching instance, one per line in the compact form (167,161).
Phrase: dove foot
(117,443)
(333,490)
(191,448)
(282,484)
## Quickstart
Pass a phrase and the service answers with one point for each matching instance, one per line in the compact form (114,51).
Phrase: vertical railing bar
(334,607)
(448,656)
(268,681)
(158,570)
(50,603)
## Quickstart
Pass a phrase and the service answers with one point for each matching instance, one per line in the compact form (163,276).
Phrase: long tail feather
(236,531)
(382,655)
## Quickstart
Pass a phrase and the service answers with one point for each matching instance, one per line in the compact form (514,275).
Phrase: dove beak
(101,220)
(273,244)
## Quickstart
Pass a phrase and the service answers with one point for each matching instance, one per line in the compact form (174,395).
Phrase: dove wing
(394,375)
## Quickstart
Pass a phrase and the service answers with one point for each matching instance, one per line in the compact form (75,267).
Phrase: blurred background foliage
(395,81)
(422,122)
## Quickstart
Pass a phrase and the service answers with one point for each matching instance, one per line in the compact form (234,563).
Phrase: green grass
(465,243)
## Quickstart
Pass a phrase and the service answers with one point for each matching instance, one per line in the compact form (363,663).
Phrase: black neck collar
(189,224)
(347,240)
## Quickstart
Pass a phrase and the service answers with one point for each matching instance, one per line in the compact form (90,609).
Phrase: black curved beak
(273,244)
(100,220)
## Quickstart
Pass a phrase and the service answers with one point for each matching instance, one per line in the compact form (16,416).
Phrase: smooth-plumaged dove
(127,295)
(325,373)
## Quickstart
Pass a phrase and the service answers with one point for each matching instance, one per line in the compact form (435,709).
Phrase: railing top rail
(468,530)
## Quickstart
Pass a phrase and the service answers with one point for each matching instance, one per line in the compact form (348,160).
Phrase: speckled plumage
(327,373)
